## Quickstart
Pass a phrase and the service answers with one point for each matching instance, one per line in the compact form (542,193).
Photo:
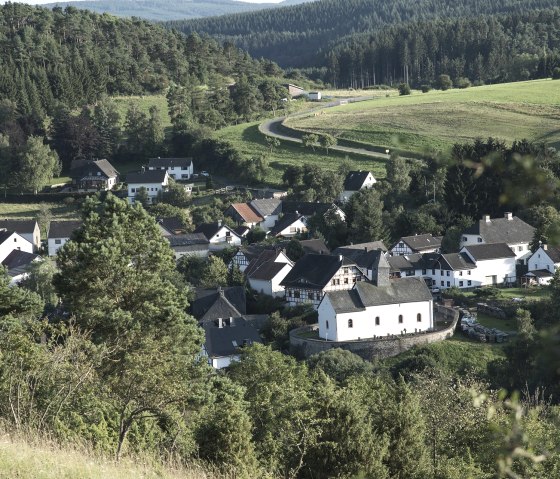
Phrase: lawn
(30,210)
(247,139)
(434,121)
(506,325)
(144,103)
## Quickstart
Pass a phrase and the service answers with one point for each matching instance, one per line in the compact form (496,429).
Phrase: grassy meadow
(247,139)
(144,102)
(59,211)
(432,122)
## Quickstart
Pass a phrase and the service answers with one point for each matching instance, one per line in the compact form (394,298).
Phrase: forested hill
(294,36)
(74,56)
(171,9)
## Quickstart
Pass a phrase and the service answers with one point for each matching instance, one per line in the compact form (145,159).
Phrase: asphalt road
(273,128)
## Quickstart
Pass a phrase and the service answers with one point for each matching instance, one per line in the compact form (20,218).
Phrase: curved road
(273,128)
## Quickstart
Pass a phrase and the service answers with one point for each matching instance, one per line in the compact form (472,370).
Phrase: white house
(424,243)
(153,181)
(269,209)
(244,214)
(177,168)
(29,229)
(59,233)
(400,306)
(17,263)
(510,230)
(93,175)
(289,225)
(189,244)
(314,95)
(219,235)
(315,274)
(543,263)
(495,263)
(11,241)
(266,272)
(356,181)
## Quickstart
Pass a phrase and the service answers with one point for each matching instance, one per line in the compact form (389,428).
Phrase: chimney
(508,216)
(220,323)
(486,218)
(365,249)
(545,247)
(220,291)
(219,222)
(340,258)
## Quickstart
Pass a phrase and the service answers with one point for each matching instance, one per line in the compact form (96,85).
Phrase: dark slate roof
(482,252)
(19,226)
(242,230)
(18,259)
(314,271)
(267,207)
(364,259)
(553,253)
(188,239)
(211,229)
(221,303)
(540,273)
(305,208)
(89,168)
(63,229)
(227,340)
(371,245)
(184,163)
(399,263)
(457,262)
(264,266)
(422,242)
(314,246)
(502,230)
(171,224)
(404,290)
(146,176)
(284,222)
(355,180)
(4,235)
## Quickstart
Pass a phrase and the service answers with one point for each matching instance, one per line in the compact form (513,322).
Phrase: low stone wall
(375,348)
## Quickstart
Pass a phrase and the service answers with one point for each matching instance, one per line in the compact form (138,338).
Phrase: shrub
(404,89)
(425,88)
(444,82)
(462,82)
(556,73)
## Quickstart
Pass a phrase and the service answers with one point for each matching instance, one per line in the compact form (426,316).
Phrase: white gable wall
(14,242)
(224,238)
(541,260)
(492,272)
(295,228)
(272,287)
(522,250)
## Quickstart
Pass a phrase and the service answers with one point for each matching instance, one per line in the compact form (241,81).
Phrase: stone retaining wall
(375,348)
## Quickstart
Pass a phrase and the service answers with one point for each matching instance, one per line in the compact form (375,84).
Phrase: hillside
(314,27)
(171,9)
(434,121)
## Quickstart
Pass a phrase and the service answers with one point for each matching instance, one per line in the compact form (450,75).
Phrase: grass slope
(39,459)
(434,121)
(30,210)
(247,139)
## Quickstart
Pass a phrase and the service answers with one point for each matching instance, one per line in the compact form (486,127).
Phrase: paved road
(274,128)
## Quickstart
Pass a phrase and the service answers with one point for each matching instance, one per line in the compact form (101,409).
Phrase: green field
(506,325)
(144,103)
(30,210)
(247,139)
(432,122)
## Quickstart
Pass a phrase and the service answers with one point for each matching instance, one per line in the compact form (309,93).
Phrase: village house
(17,264)
(510,230)
(315,274)
(295,91)
(93,175)
(542,265)
(29,229)
(153,181)
(220,236)
(495,264)
(263,213)
(424,243)
(189,244)
(289,225)
(244,215)
(173,225)
(309,209)
(390,307)
(265,272)
(59,233)
(356,181)
(365,255)
(177,168)
(12,241)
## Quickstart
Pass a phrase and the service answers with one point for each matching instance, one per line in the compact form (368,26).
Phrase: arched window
(327,325)
(400,319)
(350,323)
(419,317)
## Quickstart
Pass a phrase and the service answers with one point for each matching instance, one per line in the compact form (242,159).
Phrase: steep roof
(227,340)
(18,260)
(284,222)
(314,271)
(421,242)
(314,246)
(90,168)
(363,258)
(355,180)
(4,235)
(63,229)
(210,304)
(404,290)
(553,253)
(146,176)
(399,263)
(264,267)
(481,252)
(246,212)
(306,208)
(187,239)
(184,163)
(502,230)
(457,261)
(171,224)
(19,226)
(267,207)
(211,229)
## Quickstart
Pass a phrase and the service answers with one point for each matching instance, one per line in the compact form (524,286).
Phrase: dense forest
(295,36)
(172,9)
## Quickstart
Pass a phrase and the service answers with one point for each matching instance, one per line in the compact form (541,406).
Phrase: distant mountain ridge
(161,10)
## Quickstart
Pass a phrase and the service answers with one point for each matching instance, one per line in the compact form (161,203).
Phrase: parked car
(204,173)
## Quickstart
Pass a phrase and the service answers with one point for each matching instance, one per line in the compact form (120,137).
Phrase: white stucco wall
(502,268)
(153,189)
(272,287)
(14,242)
(295,228)
(522,250)
(221,240)
(541,260)
(364,322)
